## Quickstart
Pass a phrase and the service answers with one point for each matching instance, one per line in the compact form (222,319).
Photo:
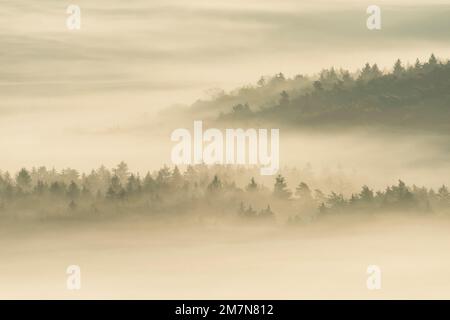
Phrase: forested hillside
(407,96)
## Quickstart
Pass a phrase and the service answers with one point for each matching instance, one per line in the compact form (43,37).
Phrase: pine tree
(366,194)
(23,180)
(215,185)
(115,189)
(280,188)
(303,191)
(432,61)
(121,171)
(133,185)
(149,183)
(366,73)
(443,196)
(375,72)
(398,68)
(163,178)
(417,65)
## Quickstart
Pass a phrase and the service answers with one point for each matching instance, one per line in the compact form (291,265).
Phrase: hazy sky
(60,89)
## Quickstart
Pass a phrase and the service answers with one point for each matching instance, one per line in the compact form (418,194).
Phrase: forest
(409,97)
(40,193)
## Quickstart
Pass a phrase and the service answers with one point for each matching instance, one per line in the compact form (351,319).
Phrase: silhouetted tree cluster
(410,96)
(47,193)
(396,198)
(249,212)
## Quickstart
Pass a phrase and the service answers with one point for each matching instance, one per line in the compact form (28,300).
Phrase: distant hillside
(416,96)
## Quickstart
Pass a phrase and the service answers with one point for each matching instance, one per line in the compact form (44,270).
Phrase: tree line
(409,96)
(44,193)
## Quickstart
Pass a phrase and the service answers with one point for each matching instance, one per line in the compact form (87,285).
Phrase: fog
(116,89)
(60,89)
(373,157)
(140,259)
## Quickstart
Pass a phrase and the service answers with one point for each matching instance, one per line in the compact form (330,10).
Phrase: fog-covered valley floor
(139,258)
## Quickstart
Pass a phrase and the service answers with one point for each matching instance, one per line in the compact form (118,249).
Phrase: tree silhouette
(121,172)
(23,180)
(302,191)
(432,61)
(280,188)
(398,68)
(215,185)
